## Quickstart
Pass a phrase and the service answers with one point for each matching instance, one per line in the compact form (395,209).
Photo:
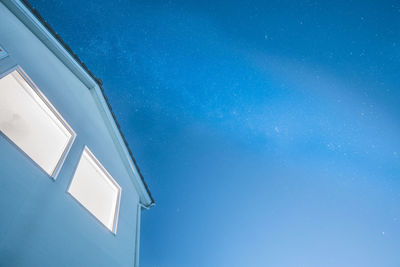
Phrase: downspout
(137,236)
(140,206)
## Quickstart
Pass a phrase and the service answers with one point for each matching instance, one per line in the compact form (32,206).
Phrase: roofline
(35,22)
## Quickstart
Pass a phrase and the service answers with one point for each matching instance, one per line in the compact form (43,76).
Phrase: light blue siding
(41,224)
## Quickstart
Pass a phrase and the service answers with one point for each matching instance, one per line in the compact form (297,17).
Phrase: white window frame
(111,179)
(42,97)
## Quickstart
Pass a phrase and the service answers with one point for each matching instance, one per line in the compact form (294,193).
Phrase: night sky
(267,131)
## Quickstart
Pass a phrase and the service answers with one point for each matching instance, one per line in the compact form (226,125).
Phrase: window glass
(96,190)
(32,123)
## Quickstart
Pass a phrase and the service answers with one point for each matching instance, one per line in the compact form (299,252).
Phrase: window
(29,120)
(94,188)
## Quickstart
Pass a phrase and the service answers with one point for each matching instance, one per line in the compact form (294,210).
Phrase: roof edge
(79,69)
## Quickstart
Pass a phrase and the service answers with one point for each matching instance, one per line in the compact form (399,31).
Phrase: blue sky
(268,131)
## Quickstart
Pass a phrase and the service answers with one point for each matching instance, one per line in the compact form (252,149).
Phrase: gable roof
(35,22)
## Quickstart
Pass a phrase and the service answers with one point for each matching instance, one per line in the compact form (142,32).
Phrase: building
(71,193)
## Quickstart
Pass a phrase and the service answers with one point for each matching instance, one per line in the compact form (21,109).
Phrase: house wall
(41,224)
